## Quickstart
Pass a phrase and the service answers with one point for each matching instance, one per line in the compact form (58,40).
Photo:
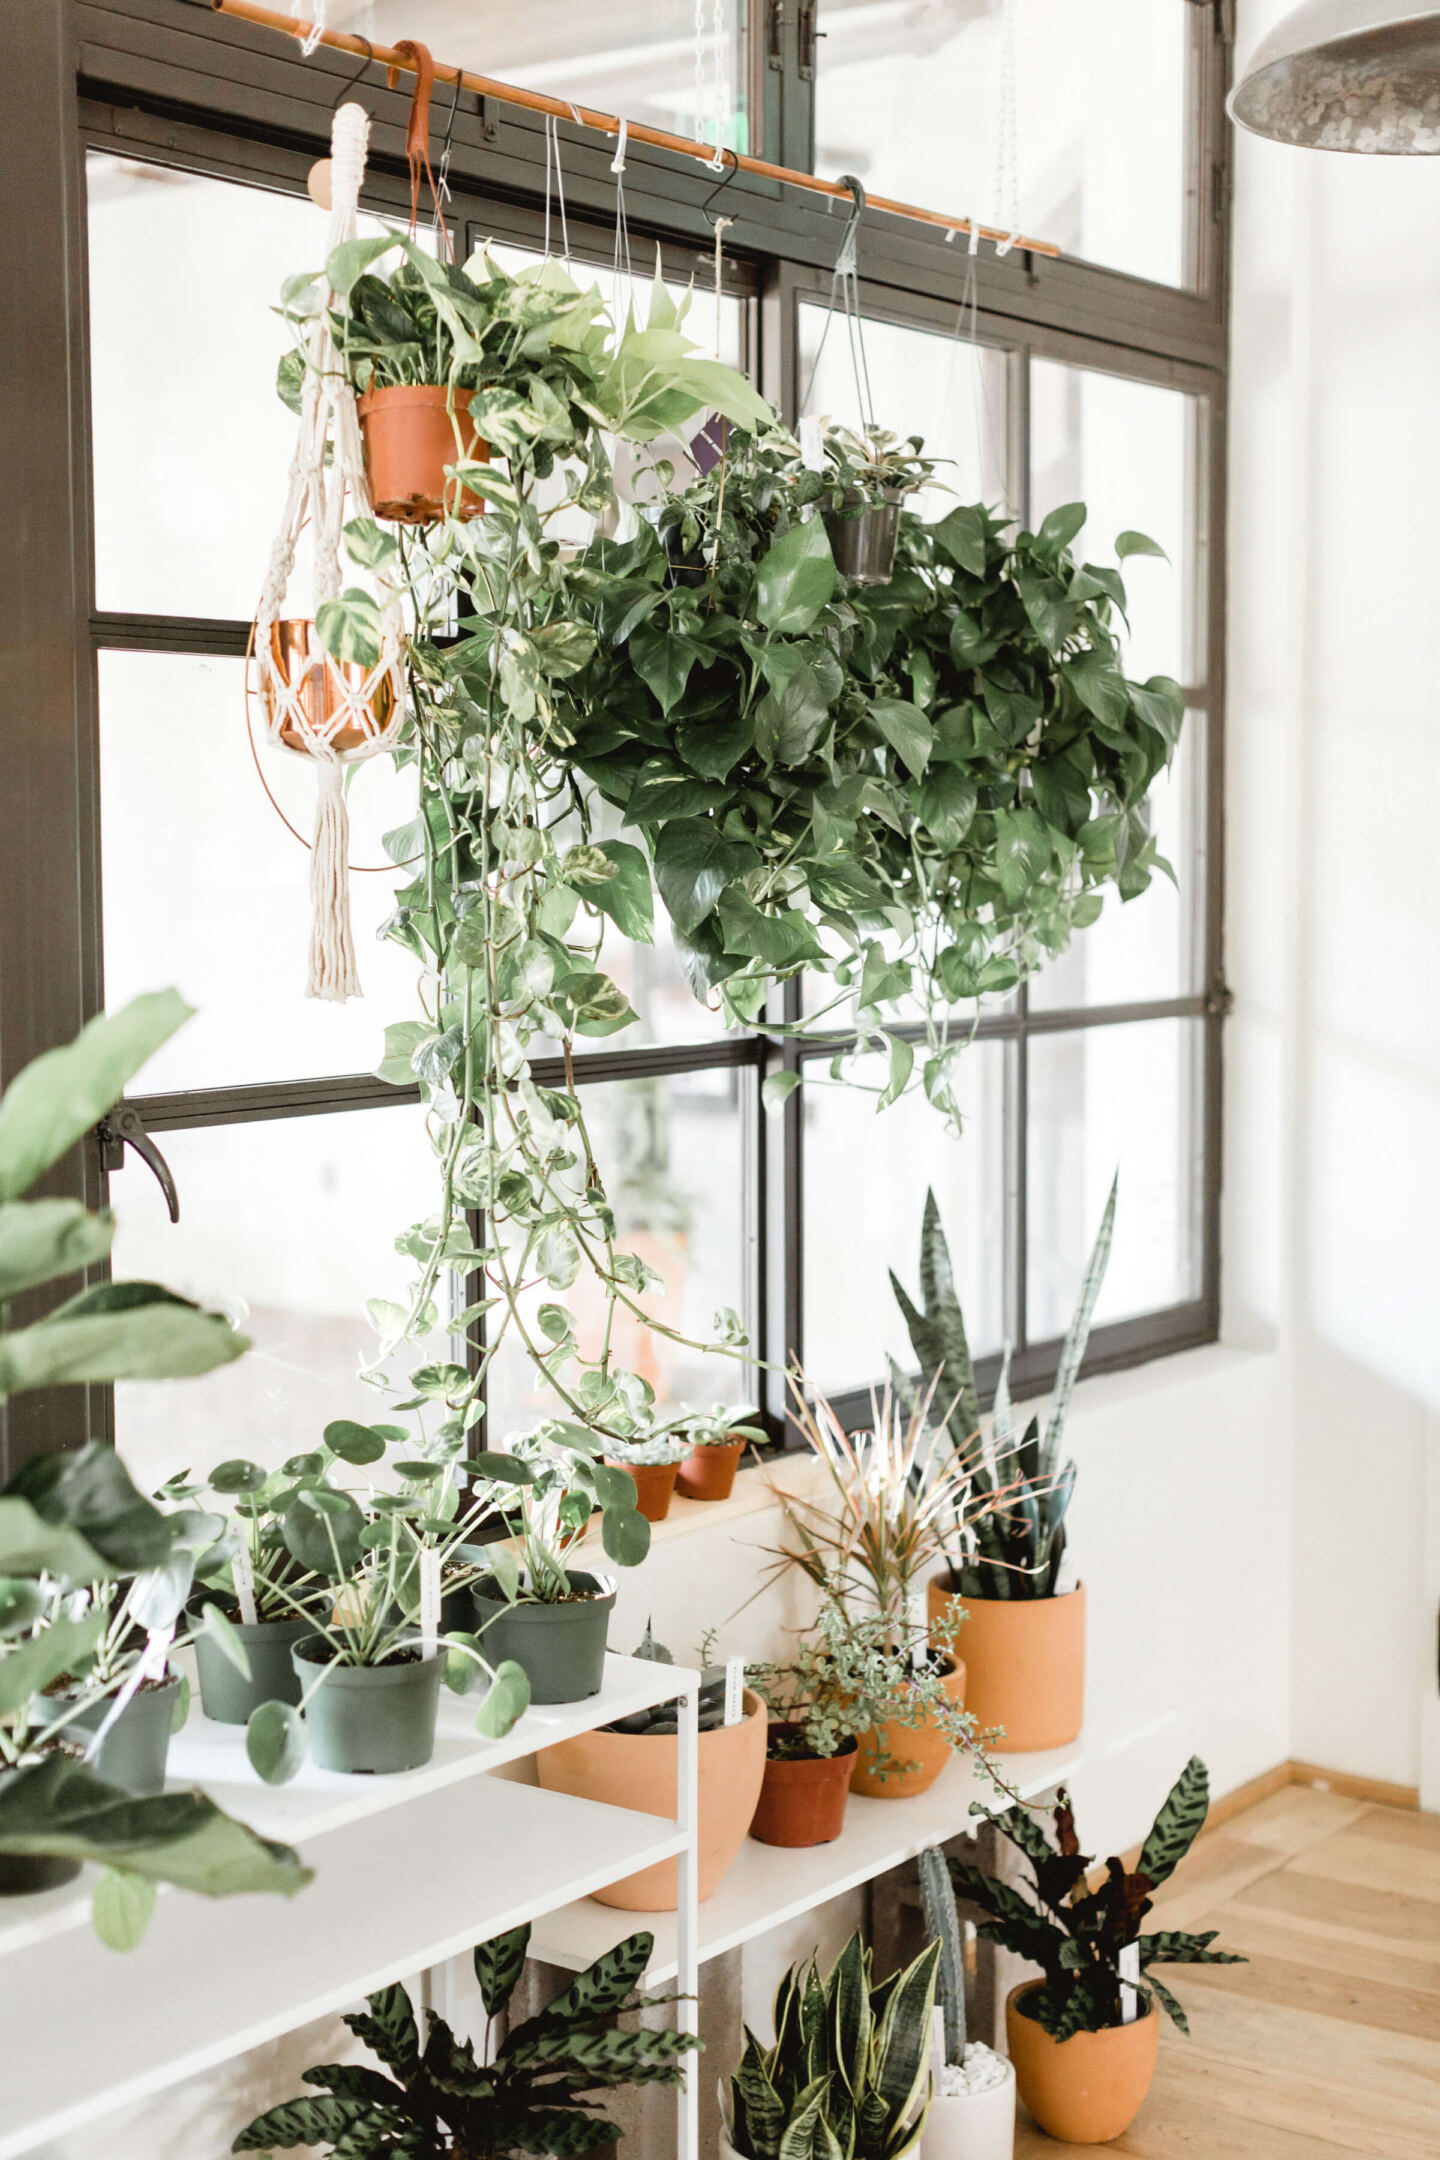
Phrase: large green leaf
(1023,850)
(62,1094)
(796,579)
(31,1546)
(793,714)
(693,865)
(626,897)
(40,1239)
(27,1668)
(321,2119)
(498,1966)
(88,1490)
(907,731)
(163,1338)
(1178,1824)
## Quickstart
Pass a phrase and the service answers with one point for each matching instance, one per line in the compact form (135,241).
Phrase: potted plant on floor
(865,480)
(536,2090)
(972,2109)
(1023,1635)
(847,2072)
(716,1444)
(634,1763)
(1083,2038)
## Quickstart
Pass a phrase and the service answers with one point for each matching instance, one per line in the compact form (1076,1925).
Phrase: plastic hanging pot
(863,536)
(708,1473)
(410,433)
(561,1646)
(23,1874)
(132,1754)
(802,1800)
(320,683)
(225,1693)
(376,1718)
(654,1484)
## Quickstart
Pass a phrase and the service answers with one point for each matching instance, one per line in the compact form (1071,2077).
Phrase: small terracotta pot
(1089,2088)
(802,1800)
(654,1483)
(925,1746)
(1026,1662)
(302,661)
(708,1473)
(411,432)
(638,1770)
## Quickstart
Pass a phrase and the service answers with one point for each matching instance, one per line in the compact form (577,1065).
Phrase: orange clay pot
(1026,1661)
(654,1483)
(708,1473)
(1089,2088)
(302,660)
(802,1801)
(411,432)
(923,1745)
(638,1771)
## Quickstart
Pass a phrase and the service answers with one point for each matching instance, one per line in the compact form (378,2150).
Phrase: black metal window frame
(168,81)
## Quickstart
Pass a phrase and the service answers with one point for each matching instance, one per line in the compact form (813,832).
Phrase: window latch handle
(124,1127)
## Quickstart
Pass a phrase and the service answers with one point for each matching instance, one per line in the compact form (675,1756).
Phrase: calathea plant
(538,2092)
(1078,1935)
(1010,1542)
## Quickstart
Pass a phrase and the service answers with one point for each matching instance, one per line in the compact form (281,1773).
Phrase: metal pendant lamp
(1347,75)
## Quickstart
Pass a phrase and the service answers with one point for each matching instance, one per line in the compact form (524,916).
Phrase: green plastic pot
(457,1607)
(132,1754)
(376,1718)
(23,1874)
(225,1693)
(561,1647)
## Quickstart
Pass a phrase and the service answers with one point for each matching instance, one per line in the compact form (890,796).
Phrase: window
(1099,376)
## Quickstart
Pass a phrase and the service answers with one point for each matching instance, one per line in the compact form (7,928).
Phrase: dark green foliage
(1074,1933)
(937,1894)
(535,2097)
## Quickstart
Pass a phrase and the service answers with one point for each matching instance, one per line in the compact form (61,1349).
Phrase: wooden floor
(1327,2044)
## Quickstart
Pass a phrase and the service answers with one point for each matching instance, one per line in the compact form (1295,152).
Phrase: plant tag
(1067,1577)
(734,1690)
(151,1664)
(242,1574)
(1129,1963)
(812,444)
(937,2045)
(919,1646)
(429,1602)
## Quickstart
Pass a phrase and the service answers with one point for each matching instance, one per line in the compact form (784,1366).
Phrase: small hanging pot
(411,432)
(863,536)
(319,684)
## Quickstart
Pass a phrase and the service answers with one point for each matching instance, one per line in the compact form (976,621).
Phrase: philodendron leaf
(506,1702)
(121,1907)
(777,1088)
(31,1546)
(275,1742)
(118,1331)
(796,579)
(58,1097)
(349,628)
(907,731)
(40,1239)
(1138,543)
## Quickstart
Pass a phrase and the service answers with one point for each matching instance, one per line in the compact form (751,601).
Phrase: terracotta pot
(1089,2088)
(972,2126)
(637,1770)
(923,1745)
(654,1483)
(708,1473)
(306,667)
(1026,1662)
(802,1800)
(411,432)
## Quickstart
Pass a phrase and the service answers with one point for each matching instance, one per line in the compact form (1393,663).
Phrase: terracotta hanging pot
(1089,2088)
(319,683)
(802,1799)
(411,432)
(1026,1663)
(654,1484)
(708,1473)
(638,1770)
(924,1748)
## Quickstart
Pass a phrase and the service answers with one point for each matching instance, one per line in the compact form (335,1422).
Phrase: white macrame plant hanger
(322,494)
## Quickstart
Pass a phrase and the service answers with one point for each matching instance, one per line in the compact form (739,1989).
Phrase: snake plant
(1011,1542)
(846,2078)
(942,1922)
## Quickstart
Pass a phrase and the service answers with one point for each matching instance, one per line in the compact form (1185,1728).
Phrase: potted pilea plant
(867,475)
(1023,1633)
(972,2109)
(534,2090)
(715,1443)
(1083,2038)
(634,1763)
(847,2072)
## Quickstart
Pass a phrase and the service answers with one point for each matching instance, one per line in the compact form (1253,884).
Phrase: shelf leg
(687,1917)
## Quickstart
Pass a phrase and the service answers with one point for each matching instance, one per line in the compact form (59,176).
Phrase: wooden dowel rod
(608,123)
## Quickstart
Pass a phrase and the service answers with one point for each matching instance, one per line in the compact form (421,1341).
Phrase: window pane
(1127,450)
(1104,1097)
(675,1153)
(947,389)
(640,57)
(909,99)
(289,1225)
(1152,947)
(865,1180)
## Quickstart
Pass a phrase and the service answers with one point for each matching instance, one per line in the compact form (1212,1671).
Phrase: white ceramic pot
(975,2126)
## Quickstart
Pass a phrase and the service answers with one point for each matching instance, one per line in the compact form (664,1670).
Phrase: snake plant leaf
(937,1894)
(1178,1824)
(1073,1351)
(902,2042)
(59,1096)
(43,1239)
(850,1996)
(498,1966)
(798,2140)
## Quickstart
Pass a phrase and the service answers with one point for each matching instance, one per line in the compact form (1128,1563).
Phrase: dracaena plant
(539,2090)
(1078,1934)
(847,2077)
(1011,1542)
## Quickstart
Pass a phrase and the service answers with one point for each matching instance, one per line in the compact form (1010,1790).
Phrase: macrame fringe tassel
(333,973)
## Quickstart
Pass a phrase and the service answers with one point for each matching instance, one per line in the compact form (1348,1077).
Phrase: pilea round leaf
(275,1742)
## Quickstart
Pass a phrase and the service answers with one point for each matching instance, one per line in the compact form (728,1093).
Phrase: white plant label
(1067,1579)
(429,1602)
(242,1574)
(152,1664)
(812,444)
(919,1647)
(1129,1962)
(734,1690)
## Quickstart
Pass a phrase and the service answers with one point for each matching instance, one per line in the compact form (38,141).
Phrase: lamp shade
(1347,75)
